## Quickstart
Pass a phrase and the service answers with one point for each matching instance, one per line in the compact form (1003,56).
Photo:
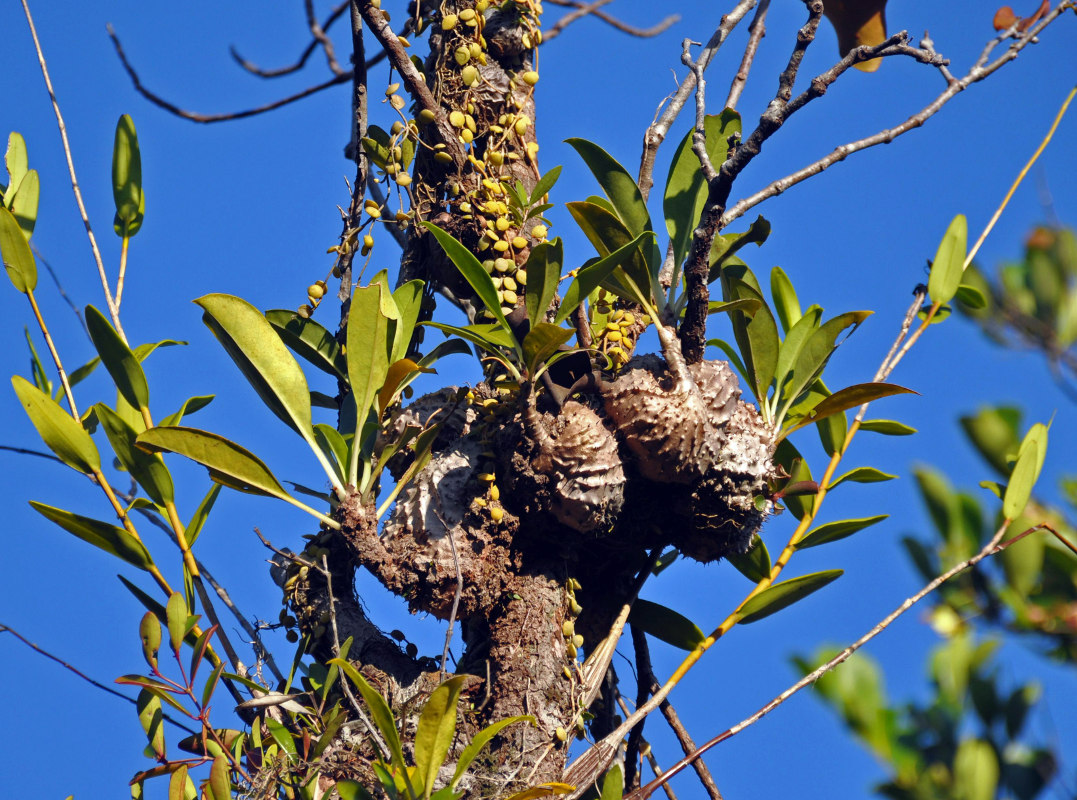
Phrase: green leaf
(544,184)
(618,185)
(1023,477)
(436,731)
(176,619)
(833,531)
(24,204)
(887,427)
(379,711)
(789,352)
(62,434)
(785,299)
(755,564)
(725,247)
(608,233)
(227,462)
(849,397)
(148,469)
(118,359)
(686,188)
(590,277)
(817,351)
(262,358)
(190,406)
(976,771)
(368,351)
(310,340)
(201,514)
(970,297)
(1022,561)
(472,271)
(114,541)
(613,784)
(949,263)
(482,738)
(863,475)
(17,256)
(994,434)
(543,272)
(757,336)
(152,719)
(541,343)
(409,301)
(490,336)
(127,178)
(17,162)
(781,595)
(665,624)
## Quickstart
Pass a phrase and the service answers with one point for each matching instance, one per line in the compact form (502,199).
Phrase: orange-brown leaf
(858,23)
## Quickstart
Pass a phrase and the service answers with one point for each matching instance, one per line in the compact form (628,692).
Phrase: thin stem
(123,272)
(756,31)
(113,309)
(55,353)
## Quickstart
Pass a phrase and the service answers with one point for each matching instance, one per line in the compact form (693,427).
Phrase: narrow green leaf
(24,204)
(686,188)
(755,564)
(976,771)
(152,719)
(227,462)
(781,595)
(593,275)
(785,298)
(262,357)
(201,514)
(489,336)
(757,337)
(148,469)
(17,162)
(1022,480)
(849,397)
(608,234)
(946,269)
(62,434)
(666,624)
(17,256)
(333,444)
(541,343)
(970,297)
(545,183)
(409,300)
(833,531)
(127,178)
(310,340)
(863,475)
(176,619)
(118,359)
(472,271)
(482,738)
(543,272)
(887,427)
(436,731)
(817,351)
(725,247)
(368,351)
(219,783)
(180,786)
(102,535)
(613,784)
(618,185)
(190,406)
(789,352)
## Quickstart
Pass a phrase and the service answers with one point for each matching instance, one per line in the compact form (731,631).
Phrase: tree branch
(756,31)
(592,9)
(254,69)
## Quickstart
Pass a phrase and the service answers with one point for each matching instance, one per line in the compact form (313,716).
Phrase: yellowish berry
(509,297)
(519,242)
(368,241)
(501,246)
(316,291)
(391,89)
(469,75)
(540,231)
(467,14)
(456,119)
(426,116)
(530,77)
(403,180)
(521,277)
(466,136)
(448,22)
(462,55)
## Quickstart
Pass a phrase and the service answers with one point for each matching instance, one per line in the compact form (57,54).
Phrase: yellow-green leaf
(436,731)
(24,204)
(118,359)
(781,595)
(127,178)
(833,531)
(102,535)
(148,469)
(949,263)
(176,617)
(481,739)
(18,259)
(62,434)
(666,624)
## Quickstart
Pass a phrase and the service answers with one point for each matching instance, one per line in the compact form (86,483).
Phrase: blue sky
(249,208)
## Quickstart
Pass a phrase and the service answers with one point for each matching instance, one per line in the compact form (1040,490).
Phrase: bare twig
(328,575)
(658,130)
(979,70)
(113,310)
(644,747)
(334,15)
(592,9)
(699,134)
(25,452)
(60,287)
(990,548)
(756,31)
(320,36)
(96,684)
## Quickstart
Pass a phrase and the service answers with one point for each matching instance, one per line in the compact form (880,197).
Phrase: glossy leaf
(219,783)
(201,514)
(114,541)
(1022,561)
(544,184)
(176,618)
(261,356)
(541,343)
(665,624)
(757,337)
(396,378)
(152,719)
(469,266)
(17,162)
(310,340)
(949,263)
(863,475)
(62,434)
(481,739)
(543,272)
(686,188)
(24,204)
(887,427)
(834,531)
(408,299)
(970,297)
(148,469)
(1022,479)
(149,631)
(755,564)
(725,247)
(118,359)
(590,277)
(788,457)
(127,178)
(608,234)
(190,406)
(818,349)
(367,354)
(436,731)
(849,397)
(785,299)
(789,352)
(618,185)
(489,336)
(227,462)
(781,595)
(17,256)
